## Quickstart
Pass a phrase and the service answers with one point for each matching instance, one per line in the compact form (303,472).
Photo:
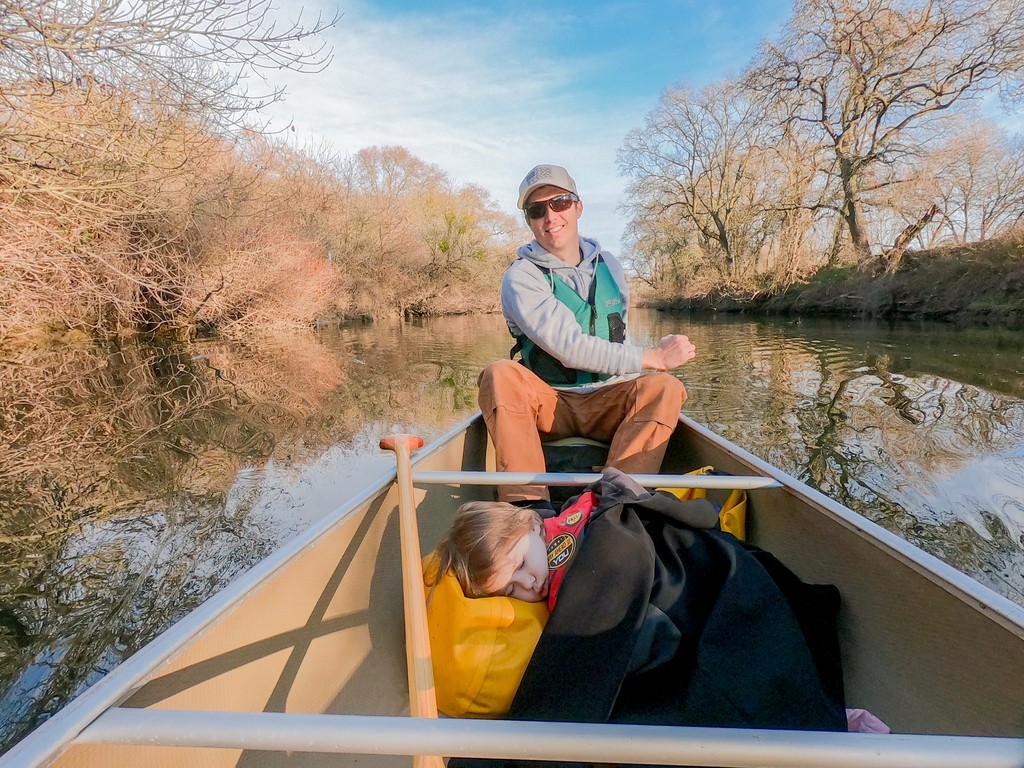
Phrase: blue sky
(486,90)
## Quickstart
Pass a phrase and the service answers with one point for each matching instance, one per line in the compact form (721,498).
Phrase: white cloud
(480,96)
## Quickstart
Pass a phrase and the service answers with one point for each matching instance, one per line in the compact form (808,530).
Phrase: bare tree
(201,55)
(115,135)
(686,158)
(862,80)
(979,180)
(661,248)
(710,164)
(971,182)
(415,242)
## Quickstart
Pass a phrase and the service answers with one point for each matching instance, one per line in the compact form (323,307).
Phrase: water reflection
(136,481)
(875,418)
(120,479)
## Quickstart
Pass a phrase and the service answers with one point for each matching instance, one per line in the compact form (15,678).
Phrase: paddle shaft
(422,699)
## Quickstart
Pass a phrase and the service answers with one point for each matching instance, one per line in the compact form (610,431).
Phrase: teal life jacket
(600,314)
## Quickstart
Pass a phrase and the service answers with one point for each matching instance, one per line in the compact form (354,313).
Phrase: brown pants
(637,417)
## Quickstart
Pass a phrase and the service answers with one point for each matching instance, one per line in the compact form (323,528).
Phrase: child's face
(523,572)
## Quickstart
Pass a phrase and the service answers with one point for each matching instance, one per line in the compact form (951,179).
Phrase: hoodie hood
(533,252)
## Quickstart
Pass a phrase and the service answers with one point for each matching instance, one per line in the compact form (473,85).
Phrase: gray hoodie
(530,307)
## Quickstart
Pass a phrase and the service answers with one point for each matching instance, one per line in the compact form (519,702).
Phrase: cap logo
(539,174)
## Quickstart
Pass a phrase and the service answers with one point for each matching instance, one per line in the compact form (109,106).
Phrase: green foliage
(833,275)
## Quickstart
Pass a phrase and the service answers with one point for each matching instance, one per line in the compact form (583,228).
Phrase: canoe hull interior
(919,651)
(324,634)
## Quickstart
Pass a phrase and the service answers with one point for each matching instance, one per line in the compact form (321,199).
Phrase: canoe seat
(573,454)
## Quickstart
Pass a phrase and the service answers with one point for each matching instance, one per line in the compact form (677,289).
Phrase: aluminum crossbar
(588,742)
(727,482)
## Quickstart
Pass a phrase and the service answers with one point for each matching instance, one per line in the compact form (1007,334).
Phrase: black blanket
(664,619)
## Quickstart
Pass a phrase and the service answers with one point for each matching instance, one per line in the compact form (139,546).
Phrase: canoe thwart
(589,742)
(727,482)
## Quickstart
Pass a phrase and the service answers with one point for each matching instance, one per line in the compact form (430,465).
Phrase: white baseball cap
(546,176)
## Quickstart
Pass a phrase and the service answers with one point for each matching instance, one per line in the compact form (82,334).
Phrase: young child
(494,548)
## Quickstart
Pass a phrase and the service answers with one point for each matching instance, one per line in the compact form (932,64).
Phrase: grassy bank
(976,284)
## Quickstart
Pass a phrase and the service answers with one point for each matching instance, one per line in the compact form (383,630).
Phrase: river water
(135,481)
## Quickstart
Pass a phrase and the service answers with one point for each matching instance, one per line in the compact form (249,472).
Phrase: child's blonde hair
(482,532)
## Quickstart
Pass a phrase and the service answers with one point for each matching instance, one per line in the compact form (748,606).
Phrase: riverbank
(977,284)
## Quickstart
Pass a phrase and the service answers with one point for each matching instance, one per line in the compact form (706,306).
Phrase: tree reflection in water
(136,481)
(920,430)
(118,469)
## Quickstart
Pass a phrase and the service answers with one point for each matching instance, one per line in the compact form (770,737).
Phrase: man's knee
(499,375)
(662,390)
(502,382)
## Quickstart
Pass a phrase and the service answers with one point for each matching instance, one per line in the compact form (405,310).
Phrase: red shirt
(562,534)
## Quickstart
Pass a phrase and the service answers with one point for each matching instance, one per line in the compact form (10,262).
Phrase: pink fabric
(862,721)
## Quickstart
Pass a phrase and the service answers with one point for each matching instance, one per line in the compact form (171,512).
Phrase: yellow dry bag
(480,646)
(733,515)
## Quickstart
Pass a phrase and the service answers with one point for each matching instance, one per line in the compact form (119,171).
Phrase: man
(565,301)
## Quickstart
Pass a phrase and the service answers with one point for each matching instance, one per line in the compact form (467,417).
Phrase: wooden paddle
(422,699)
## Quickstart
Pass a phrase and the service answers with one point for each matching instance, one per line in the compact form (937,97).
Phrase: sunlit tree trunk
(852,209)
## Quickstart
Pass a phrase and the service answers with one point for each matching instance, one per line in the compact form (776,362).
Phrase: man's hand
(671,351)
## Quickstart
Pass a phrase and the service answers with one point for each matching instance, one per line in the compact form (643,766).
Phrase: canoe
(301,661)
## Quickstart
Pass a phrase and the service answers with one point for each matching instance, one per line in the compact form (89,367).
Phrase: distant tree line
(139,191)
(852,137)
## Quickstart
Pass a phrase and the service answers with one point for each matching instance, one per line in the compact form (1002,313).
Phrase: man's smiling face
(556,232)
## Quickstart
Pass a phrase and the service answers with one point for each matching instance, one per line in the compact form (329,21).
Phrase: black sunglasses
(558,203)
